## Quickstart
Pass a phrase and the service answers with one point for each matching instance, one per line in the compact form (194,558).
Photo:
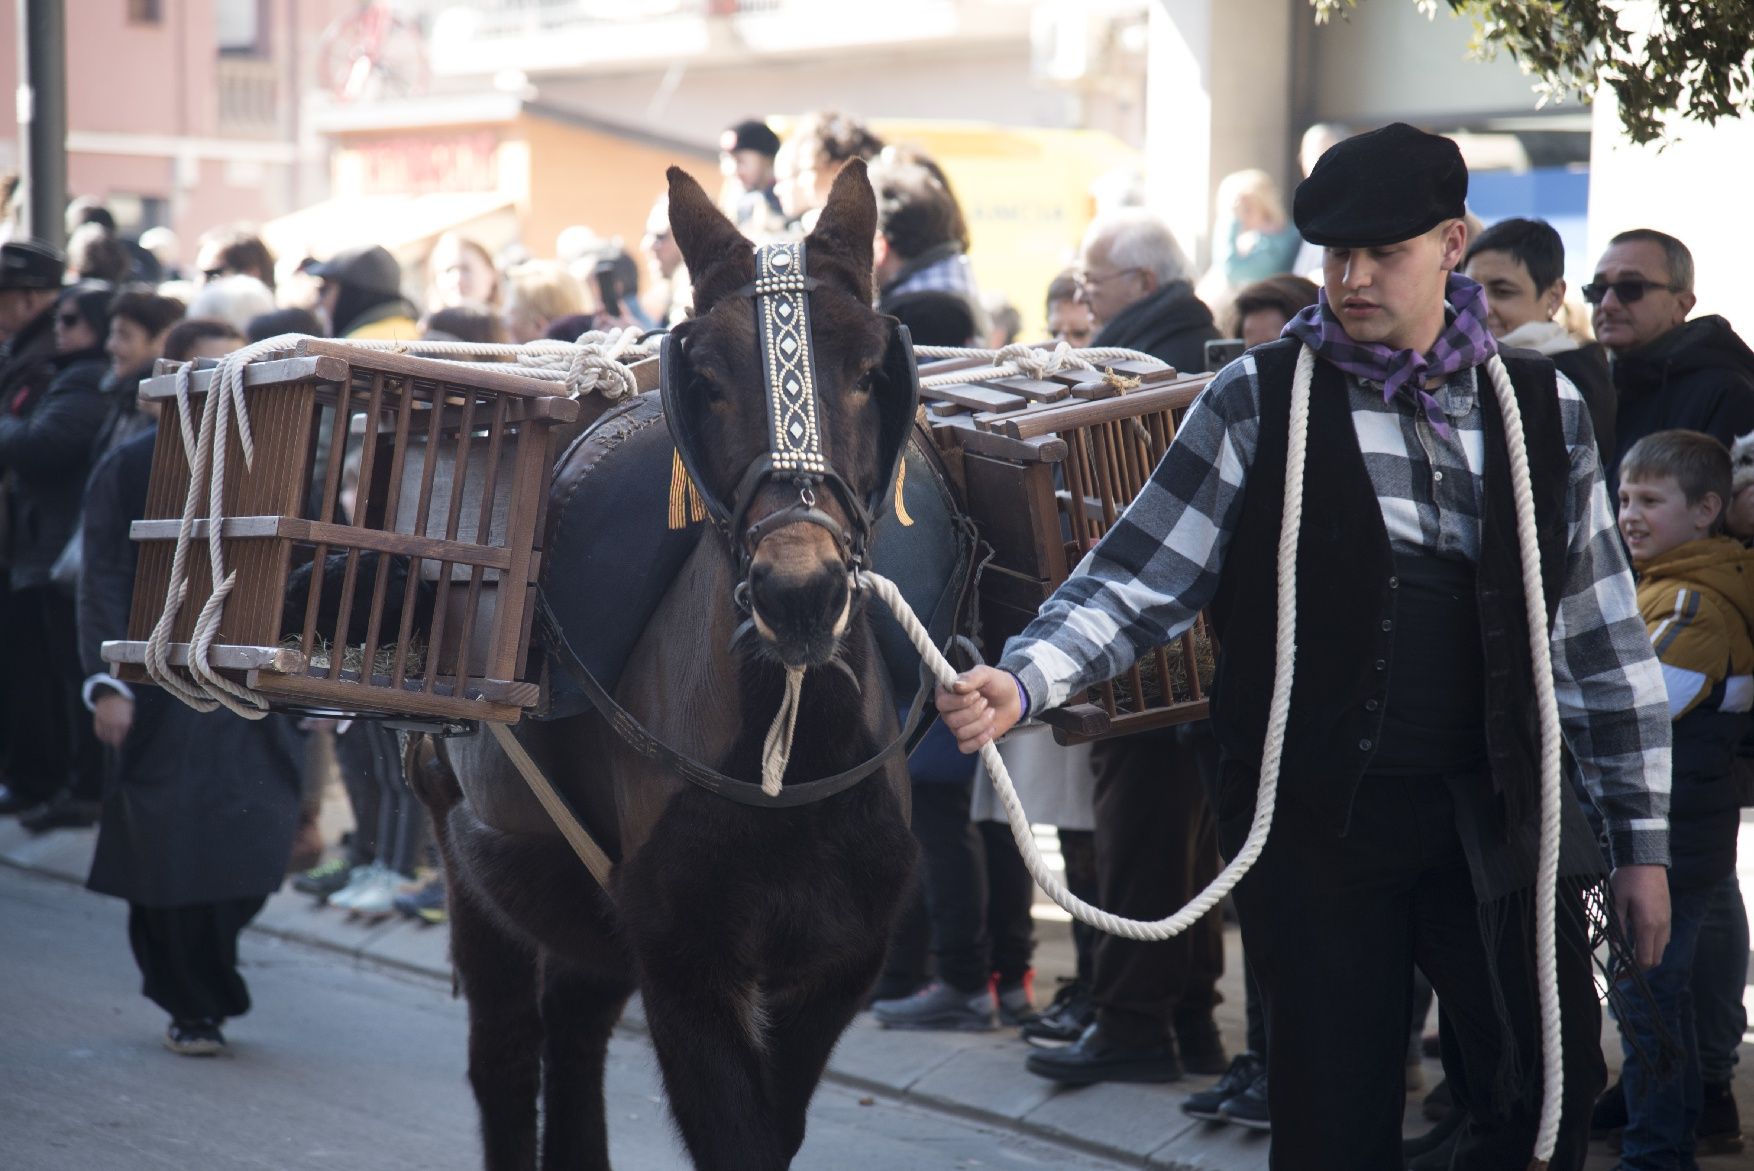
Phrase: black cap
(371,270)
(1381,187)
(27,264)
(750,135)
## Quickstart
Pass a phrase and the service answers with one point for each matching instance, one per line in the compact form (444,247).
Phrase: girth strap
(642,741)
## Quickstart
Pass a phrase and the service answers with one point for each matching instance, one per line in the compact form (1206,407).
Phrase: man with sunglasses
(1670,372)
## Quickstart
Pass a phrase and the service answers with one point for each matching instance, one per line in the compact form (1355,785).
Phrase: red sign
(417,165)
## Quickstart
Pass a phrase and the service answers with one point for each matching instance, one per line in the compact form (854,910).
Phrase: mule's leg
(806,1025)
(579,1009)
(498,975)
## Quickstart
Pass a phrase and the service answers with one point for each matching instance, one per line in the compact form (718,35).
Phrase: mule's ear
(707,240)
(847,228)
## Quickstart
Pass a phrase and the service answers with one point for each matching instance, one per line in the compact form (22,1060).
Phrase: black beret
(370,269)
(750,135)
(1381,187)
(27,264)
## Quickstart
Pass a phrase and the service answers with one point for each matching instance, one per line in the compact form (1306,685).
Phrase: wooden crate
(452,463)
(1046,467)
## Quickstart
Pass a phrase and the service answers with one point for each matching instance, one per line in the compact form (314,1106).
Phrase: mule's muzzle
(801,615)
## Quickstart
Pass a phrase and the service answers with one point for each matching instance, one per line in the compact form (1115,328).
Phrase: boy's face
(1655,516)
(1512,301)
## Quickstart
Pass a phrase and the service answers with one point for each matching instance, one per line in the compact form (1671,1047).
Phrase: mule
(752,934)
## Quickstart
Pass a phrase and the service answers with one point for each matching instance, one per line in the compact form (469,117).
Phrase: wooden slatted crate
(1046,467)
(410,593)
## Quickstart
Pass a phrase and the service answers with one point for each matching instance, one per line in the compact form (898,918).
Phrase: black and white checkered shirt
(1159,566)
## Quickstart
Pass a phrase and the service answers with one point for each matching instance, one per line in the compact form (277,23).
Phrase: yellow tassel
(686,505)
(907,522)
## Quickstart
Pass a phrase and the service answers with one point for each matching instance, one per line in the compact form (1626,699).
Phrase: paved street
(340,1065)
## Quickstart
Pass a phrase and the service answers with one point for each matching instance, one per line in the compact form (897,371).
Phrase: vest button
(1364,746)
(1382,665)
(1394,583)
(1371,705)
(1387,624)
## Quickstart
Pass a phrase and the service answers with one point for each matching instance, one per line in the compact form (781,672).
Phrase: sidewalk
(978,1076)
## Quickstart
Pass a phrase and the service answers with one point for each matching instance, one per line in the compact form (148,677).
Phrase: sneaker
(939,1006)
(1016,1001)
(194,1038)
(426,902)
(362,879)
(1240,1076)
(1609,1114)
(1064,1020)
(1249,1108)
(1720,1126)
(1094,1058)
(324,880)
(1200,1046)
(377,895)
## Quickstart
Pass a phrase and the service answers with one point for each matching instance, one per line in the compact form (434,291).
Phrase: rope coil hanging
(598,362)
(1546,888)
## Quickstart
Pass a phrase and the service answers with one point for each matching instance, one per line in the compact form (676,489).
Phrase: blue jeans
(1662,1113)
(1720,972)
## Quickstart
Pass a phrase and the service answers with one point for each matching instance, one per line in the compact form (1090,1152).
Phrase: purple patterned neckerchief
(1464,342)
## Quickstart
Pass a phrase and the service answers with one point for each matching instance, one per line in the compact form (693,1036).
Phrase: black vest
(1346,591)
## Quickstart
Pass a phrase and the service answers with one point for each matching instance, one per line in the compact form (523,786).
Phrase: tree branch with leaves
(1691,57)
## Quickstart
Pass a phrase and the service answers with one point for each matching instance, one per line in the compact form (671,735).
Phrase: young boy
(1696,594)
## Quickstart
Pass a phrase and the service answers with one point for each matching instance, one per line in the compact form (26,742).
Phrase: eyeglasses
(1088,280)
(68,319)
(214,274)
(1628,291)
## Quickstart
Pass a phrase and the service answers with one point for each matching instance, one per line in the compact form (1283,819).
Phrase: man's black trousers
(1156,847)
(1333,927)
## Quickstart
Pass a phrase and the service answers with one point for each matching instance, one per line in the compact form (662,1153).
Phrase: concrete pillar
(1218,98)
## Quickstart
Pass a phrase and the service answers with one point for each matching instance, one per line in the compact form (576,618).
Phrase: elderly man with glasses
(1669,372)
(1133,275)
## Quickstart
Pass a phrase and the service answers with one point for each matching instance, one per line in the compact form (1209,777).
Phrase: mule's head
(799,536)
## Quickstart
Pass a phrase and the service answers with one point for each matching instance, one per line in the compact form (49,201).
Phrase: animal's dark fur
(751,934)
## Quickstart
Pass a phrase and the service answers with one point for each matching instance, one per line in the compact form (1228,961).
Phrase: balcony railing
(249,97)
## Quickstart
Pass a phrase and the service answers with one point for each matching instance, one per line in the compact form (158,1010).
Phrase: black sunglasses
(1629,290)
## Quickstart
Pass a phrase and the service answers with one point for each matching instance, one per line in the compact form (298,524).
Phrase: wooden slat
(1036,390)
(275,373)
(225,656)
(1128,723)
(977,398)
(486,699)
(963,433)
(482,375)
(1170,396)
(368,540)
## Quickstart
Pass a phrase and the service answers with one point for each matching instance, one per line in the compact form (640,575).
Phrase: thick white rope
(1547,862)
(1029,361)
(776,749)
(1546,887)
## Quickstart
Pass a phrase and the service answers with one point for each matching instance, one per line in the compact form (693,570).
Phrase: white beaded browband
(782,314)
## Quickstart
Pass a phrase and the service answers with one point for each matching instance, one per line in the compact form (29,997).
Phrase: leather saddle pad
(623,518)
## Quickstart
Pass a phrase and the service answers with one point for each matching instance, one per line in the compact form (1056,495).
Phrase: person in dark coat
(1671,373)
(1156,844)
(30,283)
(139,321)
(1133,275)
(45,454)
(199,818)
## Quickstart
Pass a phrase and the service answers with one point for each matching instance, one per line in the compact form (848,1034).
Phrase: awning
(405,224)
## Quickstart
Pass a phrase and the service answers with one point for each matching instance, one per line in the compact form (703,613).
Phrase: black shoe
(1441,1137)
(1093,1058)
(1249,1108)
(1063,1021)
(1438,1103)
(1239,1077)
(12,801)
(324,880)
(63,811)
(1200,1046)
(194,1038)
(1609,1114)
(1720,1125)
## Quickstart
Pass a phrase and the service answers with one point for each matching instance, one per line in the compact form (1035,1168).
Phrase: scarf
(1544,337)
(1464,342)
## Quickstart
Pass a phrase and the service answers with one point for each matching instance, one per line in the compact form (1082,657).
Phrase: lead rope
(1279,713)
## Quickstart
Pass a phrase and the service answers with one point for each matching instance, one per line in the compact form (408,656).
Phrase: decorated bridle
(781,296)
